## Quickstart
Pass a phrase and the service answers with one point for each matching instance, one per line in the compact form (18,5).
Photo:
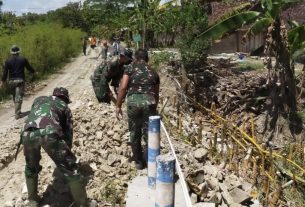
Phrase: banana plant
(149,15)
(278,43)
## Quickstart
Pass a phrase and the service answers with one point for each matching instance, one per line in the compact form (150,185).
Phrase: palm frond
(236,10)
(258,26)
(219,29)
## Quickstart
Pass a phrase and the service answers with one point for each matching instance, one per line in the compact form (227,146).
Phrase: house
(233,42)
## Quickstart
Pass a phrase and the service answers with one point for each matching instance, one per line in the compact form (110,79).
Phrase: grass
(160,58)
(47,46)
(251,65)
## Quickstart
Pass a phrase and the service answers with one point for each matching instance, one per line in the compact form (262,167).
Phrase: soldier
(141,83)
(110,71)
(49,125)
(14,71)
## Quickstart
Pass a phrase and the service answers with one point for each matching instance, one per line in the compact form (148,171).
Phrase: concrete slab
(138,194)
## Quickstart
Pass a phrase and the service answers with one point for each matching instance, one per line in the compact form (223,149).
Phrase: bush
(162,57)
(193,21)
(46,45)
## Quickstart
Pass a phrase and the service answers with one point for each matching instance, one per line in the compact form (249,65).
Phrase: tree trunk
(281,74)
(283,65)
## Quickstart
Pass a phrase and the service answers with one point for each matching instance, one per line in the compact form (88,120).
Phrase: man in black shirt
(14,72)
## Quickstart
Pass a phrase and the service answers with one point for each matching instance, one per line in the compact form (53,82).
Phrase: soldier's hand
(118,113)
(1,84)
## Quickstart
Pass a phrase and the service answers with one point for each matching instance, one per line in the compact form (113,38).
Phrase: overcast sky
(35,6)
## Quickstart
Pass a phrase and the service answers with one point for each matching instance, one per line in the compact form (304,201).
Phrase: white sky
(35,6)
(38,6)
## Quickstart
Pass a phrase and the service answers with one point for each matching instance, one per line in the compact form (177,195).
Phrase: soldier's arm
(122,94)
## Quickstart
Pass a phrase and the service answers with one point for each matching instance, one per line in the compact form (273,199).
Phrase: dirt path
(75,77)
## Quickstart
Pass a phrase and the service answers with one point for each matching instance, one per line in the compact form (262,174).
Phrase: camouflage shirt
(142,79)
(111,71)
(51,114)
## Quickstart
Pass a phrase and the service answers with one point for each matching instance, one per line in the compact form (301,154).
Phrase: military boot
(79,194)
(32,184)
(137,155)
(18,110)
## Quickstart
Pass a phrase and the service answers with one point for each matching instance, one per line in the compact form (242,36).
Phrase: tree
(281,74)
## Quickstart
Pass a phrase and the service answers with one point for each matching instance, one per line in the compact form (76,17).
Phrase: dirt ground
(75,77)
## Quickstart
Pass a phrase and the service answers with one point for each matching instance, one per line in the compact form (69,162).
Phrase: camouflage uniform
(141,103)
(16,88)
(49,125)
(103,74)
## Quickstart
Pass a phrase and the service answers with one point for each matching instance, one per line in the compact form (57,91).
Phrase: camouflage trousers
(16,88)
(139,110)
(56,148)
(101,89)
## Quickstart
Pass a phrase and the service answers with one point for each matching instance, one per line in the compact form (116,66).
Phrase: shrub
(46,45)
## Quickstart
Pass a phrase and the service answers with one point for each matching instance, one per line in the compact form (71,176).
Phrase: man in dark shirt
(14,72)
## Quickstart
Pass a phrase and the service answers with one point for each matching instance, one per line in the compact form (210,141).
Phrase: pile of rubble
(9,146)
(101,144)
(208,182)
(231,89)
(100,140)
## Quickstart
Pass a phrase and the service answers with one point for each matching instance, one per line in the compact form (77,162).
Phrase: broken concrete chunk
(111,159)
(204,205)
(200,154)
(227,197)
(239,196)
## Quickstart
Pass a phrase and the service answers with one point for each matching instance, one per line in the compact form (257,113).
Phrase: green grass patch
(251,65)
(160,58)
(47,46)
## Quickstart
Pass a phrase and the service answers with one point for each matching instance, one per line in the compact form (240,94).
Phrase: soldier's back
(46,111)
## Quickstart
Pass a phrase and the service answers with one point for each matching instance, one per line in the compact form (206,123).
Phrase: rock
(99,135)
(213,183)
(232,182)
(235,205)
(194,198)
(111,159)
(19,203)
(24,189)
(214,197)
(106,169)
(110,133)
(93,203)
(211,170)
(203,189)
(220,176)
(9,204)
(200,154)
(204,205)
(239,196)
(117,138)
(227,197)
(104,154)
(247,187)
(93,166)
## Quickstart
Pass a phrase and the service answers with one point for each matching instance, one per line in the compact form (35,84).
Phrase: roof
(296,12)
